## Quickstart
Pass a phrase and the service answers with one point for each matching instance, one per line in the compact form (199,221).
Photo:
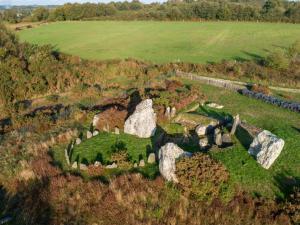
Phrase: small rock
(202,130)
(142,163)
(67,157)
(117,130)
(96,119)
(78,141)
(89,134)
(97,164)
(168,112)
(135,165)
(95,133)
(218,137)
(83,166)
(215,105)
(74,165)
(173,112)
(151,158)
(226,140)
(203,143)
(112,166)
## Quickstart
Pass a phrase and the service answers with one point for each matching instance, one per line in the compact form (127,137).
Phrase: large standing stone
(167,156)
(143,121)
(266,147)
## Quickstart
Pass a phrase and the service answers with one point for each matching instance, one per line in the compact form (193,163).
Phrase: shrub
(260,89)
(122,159)
(118,146)
(278,60)
(201,176)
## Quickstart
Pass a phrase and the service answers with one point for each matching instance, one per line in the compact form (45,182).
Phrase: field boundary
(228,84)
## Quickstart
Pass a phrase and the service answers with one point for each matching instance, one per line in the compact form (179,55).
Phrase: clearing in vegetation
(160,42)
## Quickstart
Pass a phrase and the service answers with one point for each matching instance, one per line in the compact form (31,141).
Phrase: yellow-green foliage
(201,176)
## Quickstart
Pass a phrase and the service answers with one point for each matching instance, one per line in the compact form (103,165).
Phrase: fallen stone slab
(266,147)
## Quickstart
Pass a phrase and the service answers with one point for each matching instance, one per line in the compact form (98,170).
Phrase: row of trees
(270,10)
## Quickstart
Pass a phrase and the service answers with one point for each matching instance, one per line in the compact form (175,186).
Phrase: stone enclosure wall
(240,88)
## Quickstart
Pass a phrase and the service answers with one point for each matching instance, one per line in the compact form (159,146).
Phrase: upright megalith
(167,156)
(142,122)
(266,147)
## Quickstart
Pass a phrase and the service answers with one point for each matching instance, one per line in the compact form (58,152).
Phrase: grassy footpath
(243,168)
(161,42)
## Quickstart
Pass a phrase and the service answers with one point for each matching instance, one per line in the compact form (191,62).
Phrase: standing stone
(142,163)
(74,165)
(135,165)
(218,137)
(117,130)
(89,134)
(96,119)
(142,122)
(95,133)
(173,112)
(97,164)
(67,157)
(78,141)
(106,128)
(151,158)
(167,156)
(266,147)
(235,124)
(168,112)
(203,143)
(112,166)
(83,166)
(202,130)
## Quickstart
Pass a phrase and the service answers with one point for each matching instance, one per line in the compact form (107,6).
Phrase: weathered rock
(117,130)
(168,112)
(167,156)
(203,143)
(215,105)
(106,128)
(78,141)
(96,119)
(135,165)
(226,140)
(67,157)
(83,166)
(236,122)
(142,163)
(218,137)
(95,133)
(97,164)
(112,166)
(89,134)
(143,121)
(173,112)
(202,130)
(151,158)
(74,165)
(266,147)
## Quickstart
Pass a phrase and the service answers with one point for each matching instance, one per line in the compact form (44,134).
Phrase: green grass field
(161,42)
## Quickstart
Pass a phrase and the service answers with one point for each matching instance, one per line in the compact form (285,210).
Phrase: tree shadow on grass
(296,128)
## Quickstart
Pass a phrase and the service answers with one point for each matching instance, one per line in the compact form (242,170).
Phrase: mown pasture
(160,42)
